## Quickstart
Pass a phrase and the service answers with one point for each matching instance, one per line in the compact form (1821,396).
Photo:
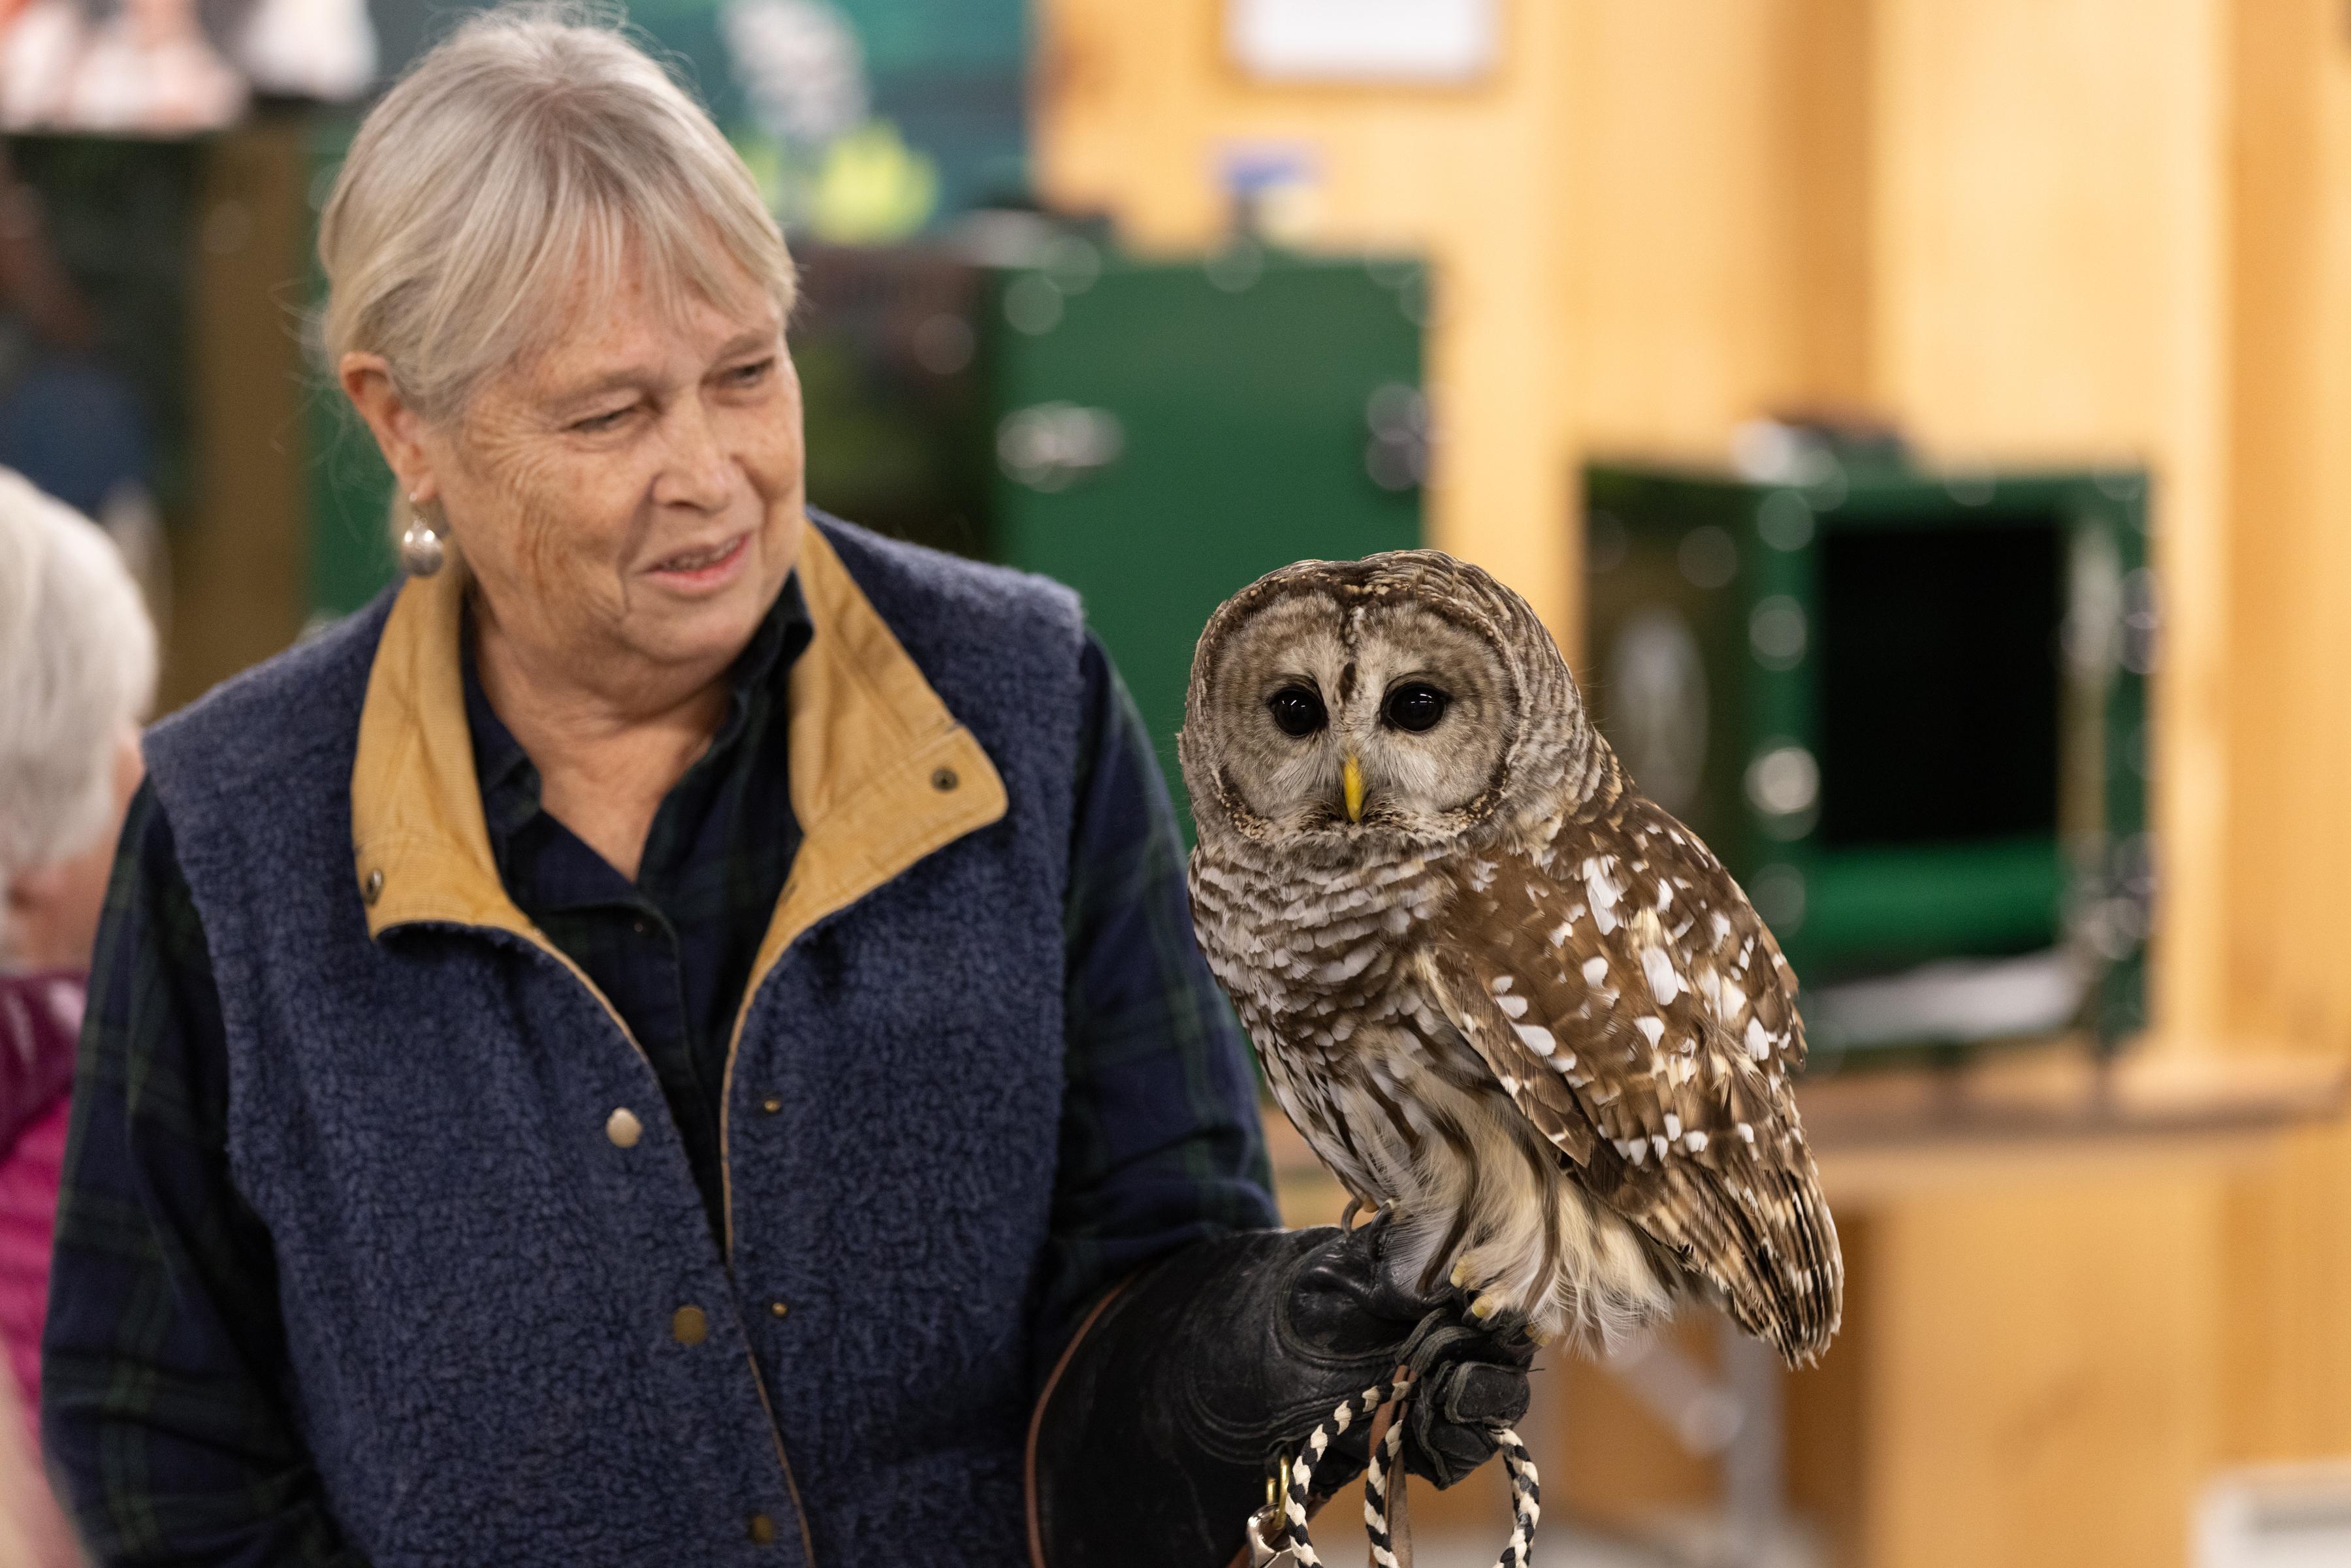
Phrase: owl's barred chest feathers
(1311,954)
(1511,1002)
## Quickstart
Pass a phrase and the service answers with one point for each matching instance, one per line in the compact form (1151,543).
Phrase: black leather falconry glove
(1155,1443)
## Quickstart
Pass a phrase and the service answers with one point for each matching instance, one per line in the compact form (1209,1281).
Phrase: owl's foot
(1357,1206)
(1492,1302)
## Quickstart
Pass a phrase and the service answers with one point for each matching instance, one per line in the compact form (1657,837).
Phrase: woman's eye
(1416,706)
(751,375)
(597,423)
(1298,711)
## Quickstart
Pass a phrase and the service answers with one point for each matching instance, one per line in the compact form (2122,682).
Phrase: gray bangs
(533,154)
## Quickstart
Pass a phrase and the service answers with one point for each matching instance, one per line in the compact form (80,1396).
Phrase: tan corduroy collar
(881,773)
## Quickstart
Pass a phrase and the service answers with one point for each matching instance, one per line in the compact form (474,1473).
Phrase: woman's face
(630,499)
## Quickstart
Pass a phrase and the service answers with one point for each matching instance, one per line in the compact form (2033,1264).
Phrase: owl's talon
(1484,1308)
(1460,1274)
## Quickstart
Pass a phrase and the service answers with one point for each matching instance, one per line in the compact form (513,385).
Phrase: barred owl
(1512,1004)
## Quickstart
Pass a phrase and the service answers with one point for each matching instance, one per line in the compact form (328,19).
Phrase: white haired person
(653,1042)
(76,673)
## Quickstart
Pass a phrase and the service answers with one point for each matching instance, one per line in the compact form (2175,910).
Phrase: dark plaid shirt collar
(510,783)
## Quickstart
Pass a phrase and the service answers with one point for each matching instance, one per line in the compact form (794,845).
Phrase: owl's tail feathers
(1795,1294)
(1759,1233)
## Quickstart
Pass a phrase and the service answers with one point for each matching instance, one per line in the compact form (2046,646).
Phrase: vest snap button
(374,888)
(772,1103)
(689,1326)
(623,1128)
(779,1308)
(945,780)
(763,1530)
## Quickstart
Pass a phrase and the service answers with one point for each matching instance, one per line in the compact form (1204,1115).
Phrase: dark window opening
(1940,683)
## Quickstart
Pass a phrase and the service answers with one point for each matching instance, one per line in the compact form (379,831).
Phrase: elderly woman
(77,672)
(661,1040)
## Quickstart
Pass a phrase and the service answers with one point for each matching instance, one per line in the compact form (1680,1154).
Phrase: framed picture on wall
(1404,42)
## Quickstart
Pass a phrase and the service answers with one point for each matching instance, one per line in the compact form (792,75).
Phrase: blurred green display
(1155,433)
(1909,711)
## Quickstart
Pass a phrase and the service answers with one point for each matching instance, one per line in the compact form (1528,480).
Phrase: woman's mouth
(704,566)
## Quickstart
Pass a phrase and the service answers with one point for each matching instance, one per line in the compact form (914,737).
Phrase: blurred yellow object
(873,188)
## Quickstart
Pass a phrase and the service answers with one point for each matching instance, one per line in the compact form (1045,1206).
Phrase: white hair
(536,141)
(77,664)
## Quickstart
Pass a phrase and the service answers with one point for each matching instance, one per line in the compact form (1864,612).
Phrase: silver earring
(420,551)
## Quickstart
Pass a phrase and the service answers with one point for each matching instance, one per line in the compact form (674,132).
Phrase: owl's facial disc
(1347,725)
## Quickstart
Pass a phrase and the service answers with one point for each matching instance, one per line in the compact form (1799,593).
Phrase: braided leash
(1289,1508)
(1385,1456)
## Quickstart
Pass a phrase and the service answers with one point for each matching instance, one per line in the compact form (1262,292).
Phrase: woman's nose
(699,472)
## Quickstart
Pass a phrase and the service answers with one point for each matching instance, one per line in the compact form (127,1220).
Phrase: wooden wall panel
(1719,161)
(1823,105)
(2039,1387)
(1831,1459)
(2050,266)
(1679,324)
(2285,1278)
(240,568)
(2286,960)
(2286,966)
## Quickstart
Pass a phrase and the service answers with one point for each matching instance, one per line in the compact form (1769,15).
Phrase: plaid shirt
(167,1402)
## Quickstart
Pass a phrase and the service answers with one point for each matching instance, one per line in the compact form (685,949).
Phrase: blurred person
(674,1035)
(40,40)
(77,672)
(150,67)
(138,66)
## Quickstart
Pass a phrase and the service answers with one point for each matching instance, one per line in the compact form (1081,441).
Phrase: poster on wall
(1372,42)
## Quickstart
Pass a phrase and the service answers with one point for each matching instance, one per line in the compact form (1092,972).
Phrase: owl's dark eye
(1415,705)
(1298,711)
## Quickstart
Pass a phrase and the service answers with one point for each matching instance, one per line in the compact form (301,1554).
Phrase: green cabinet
(1153,433)
(1909,710)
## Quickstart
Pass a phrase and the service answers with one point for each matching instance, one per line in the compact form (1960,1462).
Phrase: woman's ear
(399,429)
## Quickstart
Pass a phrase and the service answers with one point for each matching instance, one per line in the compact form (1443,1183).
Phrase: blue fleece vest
(481,1289)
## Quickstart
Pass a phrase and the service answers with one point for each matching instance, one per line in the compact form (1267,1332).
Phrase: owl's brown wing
(1626,997)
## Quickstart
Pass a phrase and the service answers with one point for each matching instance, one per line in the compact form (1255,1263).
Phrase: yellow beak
(1351,782)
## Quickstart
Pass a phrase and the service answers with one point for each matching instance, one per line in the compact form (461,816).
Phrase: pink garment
(28,1225)
(33,1529)
(40,1017)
